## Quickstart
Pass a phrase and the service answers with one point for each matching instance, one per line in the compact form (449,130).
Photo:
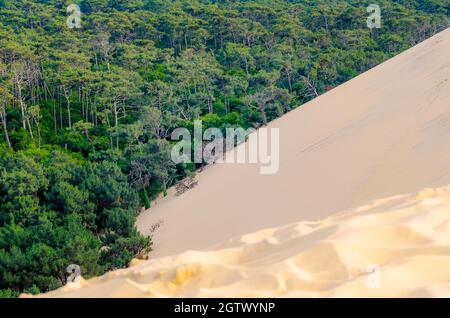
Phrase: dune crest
(407,237)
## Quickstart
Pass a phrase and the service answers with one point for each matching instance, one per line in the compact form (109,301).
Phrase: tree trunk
(109,129)
(39,135)
(30,129)
(54,114)
(36,122)
(5,127)
(52,97)
(69,115)
(22,105)
(116,122)
(69,111)
(288,74)
(262,109)
(246,66)
(307,81)
(81,98)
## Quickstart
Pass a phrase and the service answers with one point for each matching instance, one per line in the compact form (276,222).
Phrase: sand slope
(386,132)
(406,236)
(380,135)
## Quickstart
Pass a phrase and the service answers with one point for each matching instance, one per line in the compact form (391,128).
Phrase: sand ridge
(406,236)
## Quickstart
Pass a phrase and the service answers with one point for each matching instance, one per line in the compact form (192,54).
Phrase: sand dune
(407,238)
(384,133)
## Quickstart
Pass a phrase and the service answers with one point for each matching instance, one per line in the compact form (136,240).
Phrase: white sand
(381,135)
(387,132)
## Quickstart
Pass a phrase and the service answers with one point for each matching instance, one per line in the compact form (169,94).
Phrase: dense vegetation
(86,113)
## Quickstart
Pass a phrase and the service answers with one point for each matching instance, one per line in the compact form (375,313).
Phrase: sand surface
(354,163)
(384,133)
(395,247)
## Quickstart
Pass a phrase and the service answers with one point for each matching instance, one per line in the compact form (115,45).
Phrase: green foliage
(7,293)
(63,211)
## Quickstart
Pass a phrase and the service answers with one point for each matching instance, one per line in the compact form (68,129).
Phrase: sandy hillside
(386,132)
(393,247)
(354,163)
